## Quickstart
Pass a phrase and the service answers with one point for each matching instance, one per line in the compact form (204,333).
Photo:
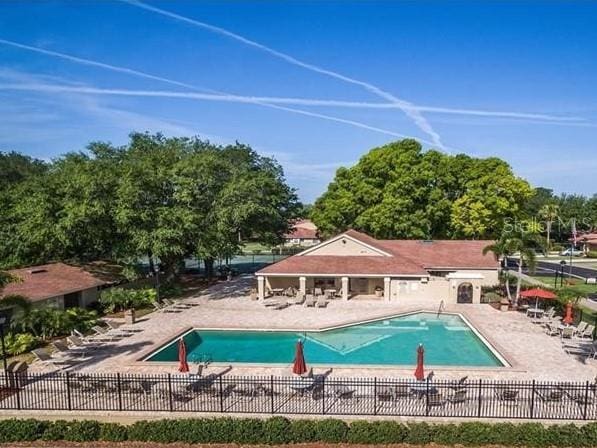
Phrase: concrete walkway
(532,353)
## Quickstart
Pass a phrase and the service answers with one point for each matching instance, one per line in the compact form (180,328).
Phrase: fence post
(480,398)
(68,396)
(584,412)
(271,390)
(19,392)
(119,388)
(221,393)
(532,399)
(323,396)
(375,396)
(170,398)
(427,397)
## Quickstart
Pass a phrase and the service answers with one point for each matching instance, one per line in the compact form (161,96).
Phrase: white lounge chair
(76,341)
(164,308)
(580,328)
(321,302)
(66,351)
(587,332)
(47,359)
(310,300)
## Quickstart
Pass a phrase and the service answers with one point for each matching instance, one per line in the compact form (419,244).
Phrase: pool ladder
(442,307)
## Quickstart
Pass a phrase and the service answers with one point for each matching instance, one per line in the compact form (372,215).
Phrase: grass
(255,247)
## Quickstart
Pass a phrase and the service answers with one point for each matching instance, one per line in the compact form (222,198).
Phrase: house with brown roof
(304,233)
(354,265)
(57,284)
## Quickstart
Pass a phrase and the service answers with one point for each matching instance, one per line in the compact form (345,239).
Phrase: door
(72,300)
(465,293)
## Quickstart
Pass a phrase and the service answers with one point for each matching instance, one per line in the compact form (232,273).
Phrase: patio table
(535,312)
(302,384)
(330,293)
(420,389)
(278,291)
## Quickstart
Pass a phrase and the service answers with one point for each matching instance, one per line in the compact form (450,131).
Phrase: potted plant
(378,291)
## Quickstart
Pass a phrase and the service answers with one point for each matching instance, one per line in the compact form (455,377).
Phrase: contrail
(269,101)
(146,75)
(405,106)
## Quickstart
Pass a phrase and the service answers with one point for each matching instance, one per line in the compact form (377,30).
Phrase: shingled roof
(51,280)
(397,257)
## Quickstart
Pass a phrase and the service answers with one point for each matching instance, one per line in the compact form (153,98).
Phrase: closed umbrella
(420,371)
(299,367)
(569,318)
(538,293)
(183,365)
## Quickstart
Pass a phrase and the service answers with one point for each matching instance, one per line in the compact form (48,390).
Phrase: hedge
(279,430)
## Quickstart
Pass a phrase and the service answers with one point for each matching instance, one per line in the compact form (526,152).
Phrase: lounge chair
(550,395)
(580,328)
(77,342)
(507,395)
(164,308)
(64,350)
(281,305)
(587,332)
(567,333)
(343,392)
(459,396)
(321,302)
(459,384)
(588,350)
(310,301)
(47,359)
(552,330)
(109,333)
(386,394)
(119,327)
(176,305)
(299,300)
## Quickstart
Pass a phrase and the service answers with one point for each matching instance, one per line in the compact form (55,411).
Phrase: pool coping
(495,349)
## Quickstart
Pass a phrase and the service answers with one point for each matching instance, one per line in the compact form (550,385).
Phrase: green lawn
(253,247)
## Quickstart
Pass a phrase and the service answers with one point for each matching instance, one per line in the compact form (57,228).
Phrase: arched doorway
(465,293)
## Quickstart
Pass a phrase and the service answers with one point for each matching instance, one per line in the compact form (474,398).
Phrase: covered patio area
(330,286)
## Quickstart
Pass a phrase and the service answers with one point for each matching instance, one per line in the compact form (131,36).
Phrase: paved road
(551,267)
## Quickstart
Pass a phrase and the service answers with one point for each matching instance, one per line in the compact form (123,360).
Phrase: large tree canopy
(165,198)
(400,191)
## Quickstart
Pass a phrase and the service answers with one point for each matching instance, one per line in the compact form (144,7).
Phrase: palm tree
(501,252)
(549,212)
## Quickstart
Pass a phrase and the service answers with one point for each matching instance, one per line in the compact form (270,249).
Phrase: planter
(504,305)
(378,293)
(129,316)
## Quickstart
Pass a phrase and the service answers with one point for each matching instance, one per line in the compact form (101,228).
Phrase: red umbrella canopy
(538,293)
(420,371)
(299,367)
(569,316)
(183,365)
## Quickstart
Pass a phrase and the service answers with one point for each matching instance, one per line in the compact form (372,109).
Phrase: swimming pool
(448,341)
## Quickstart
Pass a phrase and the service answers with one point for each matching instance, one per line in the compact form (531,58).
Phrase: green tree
(399,191)
(501,249)
(549,212)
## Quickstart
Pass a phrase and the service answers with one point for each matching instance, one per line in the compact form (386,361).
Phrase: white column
(345,288)
(260,287)
(386,289)
(303,286)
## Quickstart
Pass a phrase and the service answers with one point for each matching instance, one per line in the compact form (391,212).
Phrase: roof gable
(349,244)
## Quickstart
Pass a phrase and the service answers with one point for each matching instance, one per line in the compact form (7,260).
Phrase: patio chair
(458,396)
(62,348)
(77,342)
(343,392)
(119,327)
(580,328)
(402,391)
(176,305)
(436,399)
(386,394)
(310,301)
(321,302)
(460,383)
(507,395)
(550,395)
(567,333)
(552,330)
(587,332)
(164,308)
(299,300)
(107,333)
(45,358)
(318,291)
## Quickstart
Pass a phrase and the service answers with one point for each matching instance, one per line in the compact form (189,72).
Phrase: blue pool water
(448,341)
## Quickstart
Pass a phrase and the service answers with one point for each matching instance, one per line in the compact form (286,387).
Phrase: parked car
(575,252)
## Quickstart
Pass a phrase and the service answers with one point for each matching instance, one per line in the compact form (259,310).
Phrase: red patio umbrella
(569,316)
(299,367)
(538,293)
(183,365)
(420,371)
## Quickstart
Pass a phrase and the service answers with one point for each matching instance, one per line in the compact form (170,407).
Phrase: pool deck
(531,353)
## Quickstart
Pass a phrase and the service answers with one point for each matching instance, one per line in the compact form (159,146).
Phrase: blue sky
(314,84)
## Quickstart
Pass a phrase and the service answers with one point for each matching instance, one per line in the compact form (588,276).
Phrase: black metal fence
(293,395)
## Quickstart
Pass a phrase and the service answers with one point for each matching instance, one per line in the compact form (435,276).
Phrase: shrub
(278,430)
(592,254)
(19,343)
(112,432)
(119,299)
